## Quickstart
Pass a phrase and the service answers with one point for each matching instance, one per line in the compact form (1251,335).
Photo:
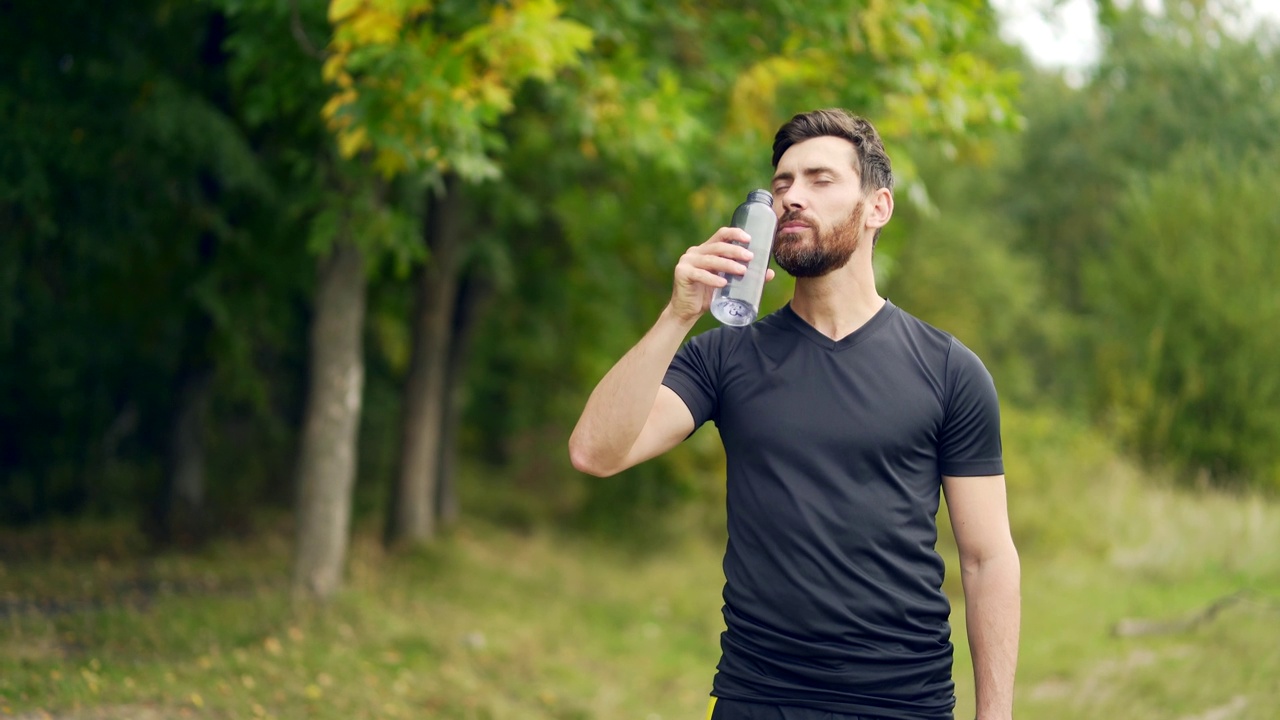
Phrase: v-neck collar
(867,329)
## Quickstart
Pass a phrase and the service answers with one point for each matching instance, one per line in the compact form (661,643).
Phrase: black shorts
(721,709)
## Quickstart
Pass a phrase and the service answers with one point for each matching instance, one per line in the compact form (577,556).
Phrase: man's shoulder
(921,333)
(946,349)
(716,336)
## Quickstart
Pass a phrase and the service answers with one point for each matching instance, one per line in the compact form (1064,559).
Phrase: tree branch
(300,33)
(1134,627)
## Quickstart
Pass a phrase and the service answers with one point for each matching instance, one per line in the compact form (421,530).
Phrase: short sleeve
(969,443)
(694,375)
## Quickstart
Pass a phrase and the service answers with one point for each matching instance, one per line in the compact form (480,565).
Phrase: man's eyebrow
(807,172)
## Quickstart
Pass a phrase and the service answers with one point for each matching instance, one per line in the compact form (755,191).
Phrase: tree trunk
(183,517)
(327,457)
(472,294)
(179,514)
(412,516)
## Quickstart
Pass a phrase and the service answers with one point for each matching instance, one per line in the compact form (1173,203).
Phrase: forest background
(299,302)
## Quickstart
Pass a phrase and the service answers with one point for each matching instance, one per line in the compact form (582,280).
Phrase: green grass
(496,624)
(489,624)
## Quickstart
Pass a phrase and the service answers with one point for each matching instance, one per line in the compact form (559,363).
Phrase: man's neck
(841,301)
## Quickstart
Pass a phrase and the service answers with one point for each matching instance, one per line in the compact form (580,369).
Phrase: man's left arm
(991,575)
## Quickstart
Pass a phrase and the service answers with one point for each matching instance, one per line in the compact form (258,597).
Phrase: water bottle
(738,302)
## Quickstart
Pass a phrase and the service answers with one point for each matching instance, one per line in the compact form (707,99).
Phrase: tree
(122,180)
(327,457)
(193,228)
(339,213)
(420,88)
(1186,358)
(1165,79)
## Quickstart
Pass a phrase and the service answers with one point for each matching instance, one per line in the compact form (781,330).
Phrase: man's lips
(793,222)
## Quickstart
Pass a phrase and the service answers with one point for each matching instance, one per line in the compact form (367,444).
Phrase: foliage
(1165,80)
(128,196)
(958,266)
(421,84)
(1185,298)
(168,173)
(1096,172)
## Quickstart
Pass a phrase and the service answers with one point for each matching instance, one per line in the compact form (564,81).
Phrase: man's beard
(830,250)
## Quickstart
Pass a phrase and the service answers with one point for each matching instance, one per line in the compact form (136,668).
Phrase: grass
(497,624)
(490,624)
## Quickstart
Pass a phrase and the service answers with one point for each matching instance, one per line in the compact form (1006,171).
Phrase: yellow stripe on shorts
(711,707)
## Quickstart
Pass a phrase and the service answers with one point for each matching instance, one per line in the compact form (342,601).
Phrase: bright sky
(1067,36)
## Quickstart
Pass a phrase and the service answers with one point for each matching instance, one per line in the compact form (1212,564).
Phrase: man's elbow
(1003,558)
(585,461)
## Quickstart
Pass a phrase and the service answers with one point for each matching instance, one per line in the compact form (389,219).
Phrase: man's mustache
(796,218)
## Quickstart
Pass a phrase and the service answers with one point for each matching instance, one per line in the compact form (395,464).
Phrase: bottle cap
(763,196)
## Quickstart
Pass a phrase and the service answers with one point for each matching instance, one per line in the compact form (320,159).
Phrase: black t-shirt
(835,452)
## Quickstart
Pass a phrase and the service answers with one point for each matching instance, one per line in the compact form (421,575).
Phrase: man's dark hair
(871,163)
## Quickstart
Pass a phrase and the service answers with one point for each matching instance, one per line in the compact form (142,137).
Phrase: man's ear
(880,208)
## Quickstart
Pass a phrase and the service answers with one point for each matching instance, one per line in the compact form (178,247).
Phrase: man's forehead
(825,152)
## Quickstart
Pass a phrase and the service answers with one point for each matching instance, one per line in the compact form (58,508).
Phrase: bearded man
(844,419)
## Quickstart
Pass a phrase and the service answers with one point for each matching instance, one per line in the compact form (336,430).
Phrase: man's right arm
(631,416)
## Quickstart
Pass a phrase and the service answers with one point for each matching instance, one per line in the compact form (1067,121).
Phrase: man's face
(818,198)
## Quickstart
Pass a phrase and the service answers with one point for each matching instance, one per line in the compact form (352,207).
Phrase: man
(841,417)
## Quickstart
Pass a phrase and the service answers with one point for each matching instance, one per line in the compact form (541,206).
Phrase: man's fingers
(724,248)
(720,264)
(729,235)
(705,277)
(717,257)
(768,274)
(703,267)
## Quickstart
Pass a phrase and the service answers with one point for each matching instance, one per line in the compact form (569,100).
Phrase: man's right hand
(698,273)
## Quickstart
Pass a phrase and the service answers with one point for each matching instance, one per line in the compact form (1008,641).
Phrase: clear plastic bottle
(738,303)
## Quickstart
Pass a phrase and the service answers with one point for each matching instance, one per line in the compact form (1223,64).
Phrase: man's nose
(792,199)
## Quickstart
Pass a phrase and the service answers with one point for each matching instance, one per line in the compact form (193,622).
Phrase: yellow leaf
(339,10)
(873,19)
(197,700)
(493,93)
(313,691)
(352,141)
(333,67)
(375,27)
(335,104)
(389,163)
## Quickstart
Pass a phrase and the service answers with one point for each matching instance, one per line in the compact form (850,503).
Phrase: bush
(1184,314)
